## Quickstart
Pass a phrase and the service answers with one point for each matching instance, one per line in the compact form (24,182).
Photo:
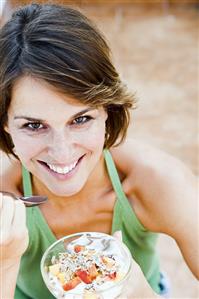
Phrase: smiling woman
(63,111)
(54,56)
(56,143)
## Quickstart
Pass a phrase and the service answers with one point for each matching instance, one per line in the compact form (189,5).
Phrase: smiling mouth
(61,170)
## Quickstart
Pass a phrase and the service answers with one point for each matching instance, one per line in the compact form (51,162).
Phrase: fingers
(19,220)
(13,219)
(118,235)
(7,212)
(14,233)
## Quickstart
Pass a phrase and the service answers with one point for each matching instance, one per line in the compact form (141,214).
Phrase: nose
(60,147)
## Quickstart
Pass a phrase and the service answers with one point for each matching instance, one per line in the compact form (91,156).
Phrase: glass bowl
(87,265)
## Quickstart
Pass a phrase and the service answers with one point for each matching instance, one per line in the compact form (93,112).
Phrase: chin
(66,192)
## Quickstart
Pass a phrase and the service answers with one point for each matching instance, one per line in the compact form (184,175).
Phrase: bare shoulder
(10,176)
(144,160)
(142,156)
(159,182)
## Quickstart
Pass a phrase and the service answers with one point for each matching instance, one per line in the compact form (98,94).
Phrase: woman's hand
(14,234)
(137,287)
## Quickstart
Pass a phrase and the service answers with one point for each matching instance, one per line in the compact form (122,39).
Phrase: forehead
(32,95)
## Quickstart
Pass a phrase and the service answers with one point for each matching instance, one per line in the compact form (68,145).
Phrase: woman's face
(58,139)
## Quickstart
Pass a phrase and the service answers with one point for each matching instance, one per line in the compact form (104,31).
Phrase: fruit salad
(88,266)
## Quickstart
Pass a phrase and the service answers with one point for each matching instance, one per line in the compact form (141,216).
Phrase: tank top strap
(123,206)
(27,185)
(114,177)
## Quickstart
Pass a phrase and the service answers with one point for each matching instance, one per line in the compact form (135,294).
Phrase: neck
(99,175)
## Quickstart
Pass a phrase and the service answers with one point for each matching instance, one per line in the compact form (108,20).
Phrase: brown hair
(60,45)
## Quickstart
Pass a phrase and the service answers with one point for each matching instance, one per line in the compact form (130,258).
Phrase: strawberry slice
(112,275)
(71,284)
(84,276)
(78,248)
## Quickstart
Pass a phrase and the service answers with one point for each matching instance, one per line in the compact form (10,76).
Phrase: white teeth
(62,170)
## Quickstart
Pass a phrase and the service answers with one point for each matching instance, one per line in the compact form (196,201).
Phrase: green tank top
(140,241)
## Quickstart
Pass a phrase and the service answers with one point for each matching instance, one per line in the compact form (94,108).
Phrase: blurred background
(155,49)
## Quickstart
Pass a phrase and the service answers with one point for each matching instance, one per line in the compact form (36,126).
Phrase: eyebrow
(40,120)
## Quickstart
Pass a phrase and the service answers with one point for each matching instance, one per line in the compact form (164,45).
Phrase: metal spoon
(29,201)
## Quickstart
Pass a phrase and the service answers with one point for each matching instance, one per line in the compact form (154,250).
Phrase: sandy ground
(155,50)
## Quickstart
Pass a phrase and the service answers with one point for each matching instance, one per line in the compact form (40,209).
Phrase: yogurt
(90,266)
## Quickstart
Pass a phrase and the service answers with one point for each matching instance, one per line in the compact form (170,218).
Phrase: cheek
(94,138)
(25,147)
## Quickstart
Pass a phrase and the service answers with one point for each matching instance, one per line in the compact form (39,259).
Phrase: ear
(105,115)
(6,129)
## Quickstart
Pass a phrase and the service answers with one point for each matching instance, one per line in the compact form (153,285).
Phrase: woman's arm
(14,236)
(13,242)
(165,195)
(173,206)
(8,276)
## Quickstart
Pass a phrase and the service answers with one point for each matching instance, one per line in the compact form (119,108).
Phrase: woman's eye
(81,120)
(34,126)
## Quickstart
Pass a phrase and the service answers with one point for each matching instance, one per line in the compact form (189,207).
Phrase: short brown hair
(60,45)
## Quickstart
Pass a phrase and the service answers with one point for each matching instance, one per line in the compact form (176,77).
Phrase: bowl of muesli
(87,265)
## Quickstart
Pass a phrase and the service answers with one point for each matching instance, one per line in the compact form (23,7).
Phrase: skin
(163,193)
(155,183)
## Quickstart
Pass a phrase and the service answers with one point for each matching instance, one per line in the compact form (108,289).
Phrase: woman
(63,111)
